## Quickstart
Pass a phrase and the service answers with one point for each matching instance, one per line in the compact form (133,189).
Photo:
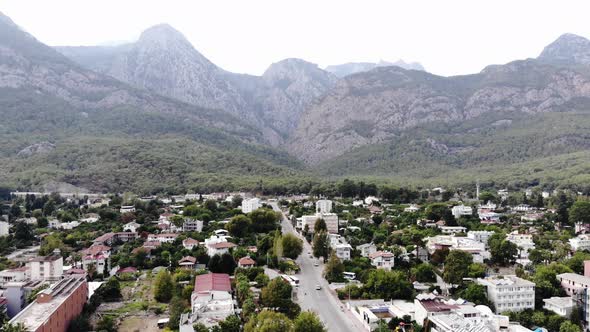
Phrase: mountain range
(157,115)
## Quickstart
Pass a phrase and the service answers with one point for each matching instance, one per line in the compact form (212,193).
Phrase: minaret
(477,189)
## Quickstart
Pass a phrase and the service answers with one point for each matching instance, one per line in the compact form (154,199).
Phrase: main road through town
(324,302)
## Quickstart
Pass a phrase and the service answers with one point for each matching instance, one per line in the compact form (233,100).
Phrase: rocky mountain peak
(162,33)
(289,70)
(568,49)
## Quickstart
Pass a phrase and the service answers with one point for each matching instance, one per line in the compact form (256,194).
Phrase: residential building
(509,293)
(489,217)
(487,206)
(480,236)
(110,239)
(580,242)
(452,230)
(523,208)
(461,210)
(323,206)
(562,306)
(187,262)
(127,209)
(13,275)
(525,243)
(4,228)
(218,245)
(370,312)
(331,220)
(371,199)
(366,249)
(96,257)
(382,260)
(48,268)
(475,248)
(54,307)
(131,227)
(163,237)
(190,243)
(16,294)
(249,205)
(343,251)
(246,262)
(573,283)
(412,208)
(211,300)
(192,225)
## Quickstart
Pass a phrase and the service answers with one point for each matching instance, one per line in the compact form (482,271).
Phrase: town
(367,259)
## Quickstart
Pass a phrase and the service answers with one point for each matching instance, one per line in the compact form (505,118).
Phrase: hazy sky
(447,37)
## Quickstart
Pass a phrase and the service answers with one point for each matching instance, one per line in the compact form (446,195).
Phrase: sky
(448,37)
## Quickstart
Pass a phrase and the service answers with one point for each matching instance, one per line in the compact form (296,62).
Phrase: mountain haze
(61,122)
(164,61)
(350,68)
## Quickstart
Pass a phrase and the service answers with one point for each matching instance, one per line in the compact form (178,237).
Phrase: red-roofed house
(129,269)
(382,260)
(211,300)
(218,245)
(187,262)
(246,262)
(190,243)
(97,255)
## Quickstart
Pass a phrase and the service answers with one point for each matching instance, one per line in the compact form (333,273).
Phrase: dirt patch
(139,324)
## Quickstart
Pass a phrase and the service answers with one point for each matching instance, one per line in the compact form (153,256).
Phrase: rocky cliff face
(163,60)
(375,106)
(350,68)
(568,49)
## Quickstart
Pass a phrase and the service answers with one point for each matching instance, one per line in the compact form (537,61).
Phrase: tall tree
(264,220)
(334,270)
(457,266)
(292,245)
(580,212)
(269,321)
(320,225)
(239,226)
(320,245)
(163,286)
(308,321)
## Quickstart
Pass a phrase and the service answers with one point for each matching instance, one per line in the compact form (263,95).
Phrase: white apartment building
(525,243)
(323,206)
(331,220)
(192,225)
(475,248)
(452,230)
(13,275)
(382,260)
(580,242)
(249,205)
(367,249)
(576,286)
(131,227)
(218,245)
(127,209)
(48,268)
(4,227)
(461,210)
(412,208)
(343,251)
(562,306)
(509,293)
(480,236)
(163,237)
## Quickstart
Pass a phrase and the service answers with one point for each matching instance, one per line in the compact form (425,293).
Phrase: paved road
(331,311)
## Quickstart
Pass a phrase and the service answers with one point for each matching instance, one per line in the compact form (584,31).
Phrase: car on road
(318,287)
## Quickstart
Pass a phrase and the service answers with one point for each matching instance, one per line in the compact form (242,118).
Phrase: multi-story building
(461,210)
(190,243)
(480,236)
(54,307)
(127,209)
(48,268)
(382,260)
(17,293)
(249,205)
(580,242)
(4,228)
(577,286)
(342,251)
(331,220)
(112,238)
(475,248)
(13,275)
(218,245)
(452,230)
(163,237)
(525,243)
(96,256)
(562,306)
(323,206)
(509,293)
(192,225)
(367,249)
(131,227)
(211,300)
